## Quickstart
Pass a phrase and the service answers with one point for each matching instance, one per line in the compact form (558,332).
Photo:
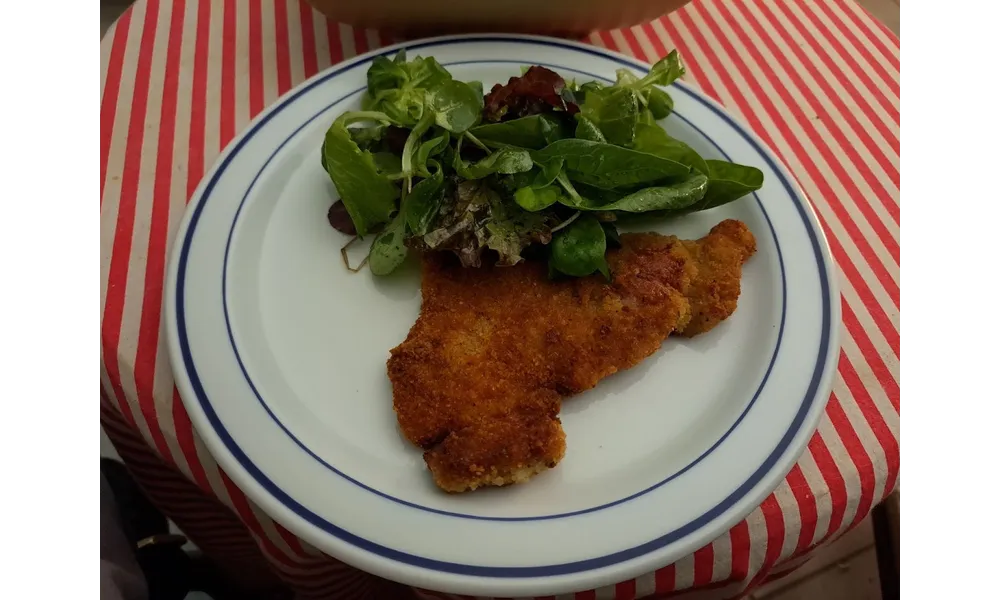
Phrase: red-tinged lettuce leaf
(474,218)
(339,219)
(538,91)
(510,230)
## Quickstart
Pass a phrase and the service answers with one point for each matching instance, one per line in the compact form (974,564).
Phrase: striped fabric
(818,80)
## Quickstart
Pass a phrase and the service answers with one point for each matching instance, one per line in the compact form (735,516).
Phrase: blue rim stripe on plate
(477,570)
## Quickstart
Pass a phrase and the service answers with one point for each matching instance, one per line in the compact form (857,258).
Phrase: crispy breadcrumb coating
(478,382)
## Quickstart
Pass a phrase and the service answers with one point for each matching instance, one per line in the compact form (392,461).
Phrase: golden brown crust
(716,288)
(478,382)
(503,449)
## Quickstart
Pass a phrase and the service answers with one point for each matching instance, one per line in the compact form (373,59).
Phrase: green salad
(537,169)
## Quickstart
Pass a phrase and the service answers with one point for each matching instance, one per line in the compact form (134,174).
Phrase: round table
(818,80)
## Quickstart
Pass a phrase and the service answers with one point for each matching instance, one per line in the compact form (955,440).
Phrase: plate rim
(782,463)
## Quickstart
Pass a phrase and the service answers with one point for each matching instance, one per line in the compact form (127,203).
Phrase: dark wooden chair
(887,523)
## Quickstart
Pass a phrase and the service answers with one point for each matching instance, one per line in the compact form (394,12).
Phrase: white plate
(279,354)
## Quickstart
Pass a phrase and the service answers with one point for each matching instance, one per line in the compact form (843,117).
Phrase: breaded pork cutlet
(478,382)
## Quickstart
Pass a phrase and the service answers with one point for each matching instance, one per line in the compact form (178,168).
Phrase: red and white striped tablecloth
(818,80)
